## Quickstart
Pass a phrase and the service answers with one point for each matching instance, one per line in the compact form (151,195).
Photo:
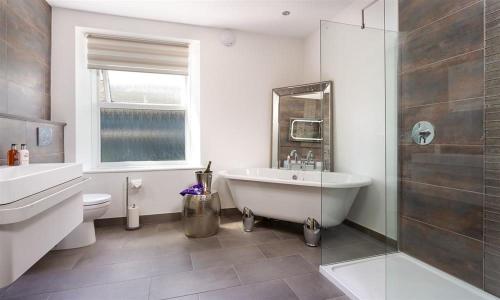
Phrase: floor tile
(189,297)
(30,297)
(340,298)
(91,274)
(313,286)
(148,241)
(83,277)
(231,218)
(30,284)
(174,226)
(127,290)
(292,247)
(273,260)
(98,256)
(286,248)
(239,239)
(236,227)
(350,252)
(288,234)
(284,230)
(273,268)
(170,264)
(70,252)
(147,230)
(226,256)
(55,263)
(183,244)
(341,235)
(272,290)
(187,283)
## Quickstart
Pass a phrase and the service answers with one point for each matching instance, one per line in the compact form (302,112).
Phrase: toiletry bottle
(24,156)
(13,156)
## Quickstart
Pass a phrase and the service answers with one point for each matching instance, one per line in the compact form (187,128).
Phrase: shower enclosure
(417,109)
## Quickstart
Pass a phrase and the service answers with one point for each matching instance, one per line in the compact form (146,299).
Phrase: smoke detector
(228,38)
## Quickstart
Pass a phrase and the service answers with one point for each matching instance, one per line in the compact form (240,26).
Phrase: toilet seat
(95,199)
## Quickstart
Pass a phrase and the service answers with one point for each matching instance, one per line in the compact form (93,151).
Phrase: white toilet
(94,206)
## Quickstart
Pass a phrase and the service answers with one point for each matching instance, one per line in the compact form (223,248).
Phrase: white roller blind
(121,54)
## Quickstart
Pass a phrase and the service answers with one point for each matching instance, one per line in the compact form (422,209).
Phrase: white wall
(235,97)
(312,57)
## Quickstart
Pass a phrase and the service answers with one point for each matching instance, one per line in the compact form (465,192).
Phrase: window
(133,87)
(142,116)
(141,112)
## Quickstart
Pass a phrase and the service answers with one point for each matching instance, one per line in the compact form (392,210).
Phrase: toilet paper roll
(133,216)
(136,183)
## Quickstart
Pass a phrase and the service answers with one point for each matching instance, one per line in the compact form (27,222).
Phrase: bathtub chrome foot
(312,232)
(248,219)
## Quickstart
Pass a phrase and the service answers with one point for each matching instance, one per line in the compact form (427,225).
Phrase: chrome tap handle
(294,154)
(310,156)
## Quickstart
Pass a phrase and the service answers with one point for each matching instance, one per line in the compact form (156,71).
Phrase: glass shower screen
(353,58)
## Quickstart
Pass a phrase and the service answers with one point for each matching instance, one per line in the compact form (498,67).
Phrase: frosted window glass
(142,135)
(134,87)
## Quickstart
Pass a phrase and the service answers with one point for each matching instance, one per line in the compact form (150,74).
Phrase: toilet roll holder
(127,207)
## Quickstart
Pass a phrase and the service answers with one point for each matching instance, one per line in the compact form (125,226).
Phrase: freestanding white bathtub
(295,195)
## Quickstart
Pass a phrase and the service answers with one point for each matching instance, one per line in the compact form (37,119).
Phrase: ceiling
(260,16)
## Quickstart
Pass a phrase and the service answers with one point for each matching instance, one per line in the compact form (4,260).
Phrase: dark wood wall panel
(448,37)
(452,79)
(452,253)
(417,13)
(452,166)
(442,184)
(25,47)
(492,149)
(25,56)
(451,209)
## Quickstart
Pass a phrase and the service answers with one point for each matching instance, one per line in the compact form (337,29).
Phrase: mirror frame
(292,90)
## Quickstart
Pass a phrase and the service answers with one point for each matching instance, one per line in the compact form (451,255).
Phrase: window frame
(97,105)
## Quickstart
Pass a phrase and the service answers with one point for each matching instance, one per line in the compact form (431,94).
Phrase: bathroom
(353,148)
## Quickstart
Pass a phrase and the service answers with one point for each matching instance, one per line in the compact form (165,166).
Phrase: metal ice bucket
(204,179)
(201,215)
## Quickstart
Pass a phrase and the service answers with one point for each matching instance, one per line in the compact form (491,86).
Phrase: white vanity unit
(39,205)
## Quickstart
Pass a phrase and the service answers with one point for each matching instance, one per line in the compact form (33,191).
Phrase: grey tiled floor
(159,262)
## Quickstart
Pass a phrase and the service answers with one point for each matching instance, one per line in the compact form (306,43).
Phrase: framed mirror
(302,127)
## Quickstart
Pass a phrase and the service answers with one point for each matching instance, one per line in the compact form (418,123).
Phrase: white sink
(23,181)
(40,204)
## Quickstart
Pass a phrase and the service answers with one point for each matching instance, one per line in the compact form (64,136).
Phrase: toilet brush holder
(132,211)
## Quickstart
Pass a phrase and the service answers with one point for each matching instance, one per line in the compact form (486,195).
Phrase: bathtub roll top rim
(297,177)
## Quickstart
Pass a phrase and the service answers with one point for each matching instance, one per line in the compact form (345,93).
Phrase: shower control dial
(423,133)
